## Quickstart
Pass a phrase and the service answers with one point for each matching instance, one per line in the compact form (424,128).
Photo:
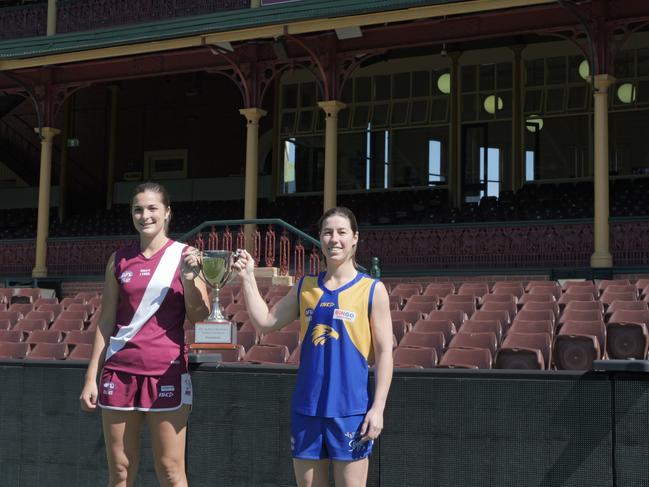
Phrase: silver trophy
(216,269)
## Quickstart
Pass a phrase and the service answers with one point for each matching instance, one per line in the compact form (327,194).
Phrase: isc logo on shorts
(108,388)
(167,391)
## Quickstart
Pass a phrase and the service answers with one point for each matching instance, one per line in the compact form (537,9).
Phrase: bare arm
(197,298)
(381,325)
(104,331)
(263,319)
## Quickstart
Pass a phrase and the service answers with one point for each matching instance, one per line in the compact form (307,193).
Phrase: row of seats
(547,201)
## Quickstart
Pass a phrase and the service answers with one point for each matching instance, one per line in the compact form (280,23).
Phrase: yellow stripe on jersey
(310,294)
(353,310)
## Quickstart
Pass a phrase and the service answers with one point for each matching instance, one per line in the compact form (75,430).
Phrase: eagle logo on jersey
(321,333)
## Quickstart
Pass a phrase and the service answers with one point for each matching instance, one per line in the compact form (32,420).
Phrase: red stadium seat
(400,328)
(627,334)
(233,355)
(439,289)
(294,358)
(478,289)
(5,324)
(65,302)
(542,326)
(13,336)
(525,351)
(486,340)
(54,308)
(86,296)
(466,358)
(456,316)
(240,317)
(48,316)
(76,337)
(581,315)
(247,339)
(585,306)
(87,308)
(81,351)
(288,338)
(430,299)
(512,288)
(267,354)
(409,356)
(510,307)
(67,324)
(608,297)
(11,316)
(44,336)
(537,298)
(14,350)
(423,308)
(501,316)
(22,308)
(431,326)
(627,306)
(499,298)
(41,301)
(434,340)
(552,306)
(477,326)
(26,324)
(578,344)
(74,315)
(535,315)
(407,316)
(293,326)
(30,293)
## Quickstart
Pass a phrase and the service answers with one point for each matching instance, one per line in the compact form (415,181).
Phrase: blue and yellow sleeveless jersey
(336,338)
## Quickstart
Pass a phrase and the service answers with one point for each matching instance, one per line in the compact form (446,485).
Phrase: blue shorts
(316,438)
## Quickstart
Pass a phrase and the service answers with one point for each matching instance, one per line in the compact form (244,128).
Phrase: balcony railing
(80,15)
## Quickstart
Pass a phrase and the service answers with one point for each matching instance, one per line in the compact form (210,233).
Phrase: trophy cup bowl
(216,329)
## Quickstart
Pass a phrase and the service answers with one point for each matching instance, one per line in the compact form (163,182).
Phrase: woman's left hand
(191,265)
(372,425)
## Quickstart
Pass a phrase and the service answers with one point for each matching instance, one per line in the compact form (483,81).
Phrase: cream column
(331,109)
(51,17)
(602,255)
(454,180)
(253,115)
(255,3)
(42,228)
(112,145)
(517,170)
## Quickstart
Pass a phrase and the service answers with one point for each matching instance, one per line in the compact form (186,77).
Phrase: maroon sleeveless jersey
(149,336)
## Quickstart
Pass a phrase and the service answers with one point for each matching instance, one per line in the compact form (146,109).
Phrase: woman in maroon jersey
(139,354)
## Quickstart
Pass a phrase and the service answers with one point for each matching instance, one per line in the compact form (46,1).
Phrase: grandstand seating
(528,329)
(547,201)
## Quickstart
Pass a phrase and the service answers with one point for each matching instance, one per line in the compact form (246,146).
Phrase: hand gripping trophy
(216,269)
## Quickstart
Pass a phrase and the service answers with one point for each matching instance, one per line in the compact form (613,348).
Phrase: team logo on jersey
(322,333)
(126,276)
(341,314)
(308,313)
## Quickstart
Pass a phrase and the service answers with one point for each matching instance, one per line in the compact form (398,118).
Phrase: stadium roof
(231,26)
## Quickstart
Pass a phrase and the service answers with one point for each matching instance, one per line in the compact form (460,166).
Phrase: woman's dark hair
(345,213)
(155,188)
(340,211)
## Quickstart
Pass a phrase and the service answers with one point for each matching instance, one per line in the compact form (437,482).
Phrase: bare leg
(122,430)
(168,437)
(351,474)
(311,473)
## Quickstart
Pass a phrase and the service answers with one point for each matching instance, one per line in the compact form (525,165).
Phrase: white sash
(153,296)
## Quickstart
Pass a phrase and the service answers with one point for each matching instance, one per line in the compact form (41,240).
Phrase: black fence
(442,428)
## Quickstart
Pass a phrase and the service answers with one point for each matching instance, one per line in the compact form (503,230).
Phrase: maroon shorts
(130,392)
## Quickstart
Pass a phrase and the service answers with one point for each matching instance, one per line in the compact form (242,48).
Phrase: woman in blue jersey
(345,324)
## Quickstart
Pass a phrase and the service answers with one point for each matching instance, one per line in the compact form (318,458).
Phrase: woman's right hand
(244,265)
(88,397)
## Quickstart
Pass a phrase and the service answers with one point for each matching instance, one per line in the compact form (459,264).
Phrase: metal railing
(286,252)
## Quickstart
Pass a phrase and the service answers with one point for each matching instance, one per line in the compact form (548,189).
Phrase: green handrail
(261,221)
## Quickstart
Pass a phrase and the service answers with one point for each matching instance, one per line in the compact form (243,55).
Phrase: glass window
(469,107)
(303,169)
(555,99)
(382,87)
(362,89)
(308,95)
(420,83)
(534,72)
(573,69)
(643,62)
(504,76)
(399,114)
(288,122)
(625,64)
(469,78)
(643,91)
(577,97)
(419,156)
(533,101)
(380,114)
(289,96)
(401,87)
(419,111)
(556,70)
(305,123)
(361,116)
(439,110)
(487,77)
(348,91)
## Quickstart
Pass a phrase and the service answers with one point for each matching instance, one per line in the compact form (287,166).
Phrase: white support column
(331,109)
(602,255)
(51,17)
(42,227)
